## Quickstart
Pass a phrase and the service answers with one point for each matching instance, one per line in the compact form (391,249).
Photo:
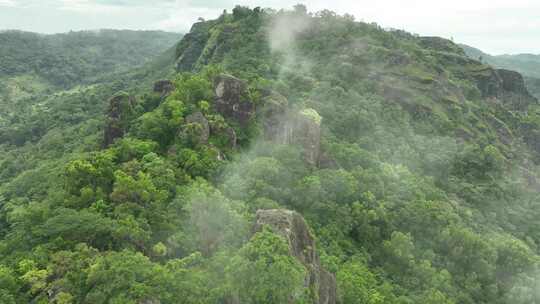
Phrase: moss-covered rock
(231,99)
(119,112)
(196,128)
(292,226)
(163,87)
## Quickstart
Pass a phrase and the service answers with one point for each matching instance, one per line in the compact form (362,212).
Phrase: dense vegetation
(429,193)
(36,92)
(77,57)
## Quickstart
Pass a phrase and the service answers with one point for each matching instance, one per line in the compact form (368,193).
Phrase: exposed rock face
(504,85)
(197,126)
(327,162)
(231,99)
(488,82)
(231,137)
(190,48)
(512,81)
(225,131)
(164,87)
(294,229)
(441,45)
(531,136)
(287,127)
(118,115)
(307,133)
(503,132)
(275,119)
(301,128)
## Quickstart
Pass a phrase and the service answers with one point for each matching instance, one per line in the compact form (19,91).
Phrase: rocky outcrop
(503,132)
(326,161)
(504,85)
(231,137)
(192,45)
(197,128)
(275,119)
(512,81)
(284,126)
(292,226)
(225,132)
(531,136)
(163,87)
(118,115)
(488,81)
(231,99)
(307,133)
(441,45)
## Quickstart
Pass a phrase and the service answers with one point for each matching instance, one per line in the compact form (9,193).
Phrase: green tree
(213,220)
(358,285)
(125,277)
(264,272)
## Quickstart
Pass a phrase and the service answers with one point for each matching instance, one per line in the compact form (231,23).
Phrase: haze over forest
(218,153)
(495,26)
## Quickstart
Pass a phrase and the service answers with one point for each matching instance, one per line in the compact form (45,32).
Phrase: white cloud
(9,3)
(496,26)
(180,15)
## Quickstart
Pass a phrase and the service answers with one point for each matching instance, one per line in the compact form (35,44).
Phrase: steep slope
(409,102)
(410,167)
(526,64)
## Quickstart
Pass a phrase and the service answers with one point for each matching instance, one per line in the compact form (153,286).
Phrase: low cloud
(9,3)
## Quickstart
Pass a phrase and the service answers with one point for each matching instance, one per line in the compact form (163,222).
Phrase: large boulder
(226,135)
(163,87)
(512,81)
(292,226)
(488,81)
(307,133)
(504,86)
(275,119)
(284,126)
(514,91)
(232,100)
(196,128)
(119,113)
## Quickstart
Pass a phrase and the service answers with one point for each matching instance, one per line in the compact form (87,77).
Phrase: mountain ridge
(290,157)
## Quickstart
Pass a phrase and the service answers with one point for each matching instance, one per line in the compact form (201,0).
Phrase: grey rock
(164,87)
(119,112)
(232,99)
(292,226)
(275,119)
(198,127)
(283,126)
(307,133)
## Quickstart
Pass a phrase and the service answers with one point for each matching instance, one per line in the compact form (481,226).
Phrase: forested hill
(526,64)
(64,60)
(44,78)
(292,157)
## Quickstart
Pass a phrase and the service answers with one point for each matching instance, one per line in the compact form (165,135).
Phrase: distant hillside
(63,60)
(526,64)
(42,76)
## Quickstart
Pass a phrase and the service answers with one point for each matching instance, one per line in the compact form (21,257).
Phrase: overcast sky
(495,26)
